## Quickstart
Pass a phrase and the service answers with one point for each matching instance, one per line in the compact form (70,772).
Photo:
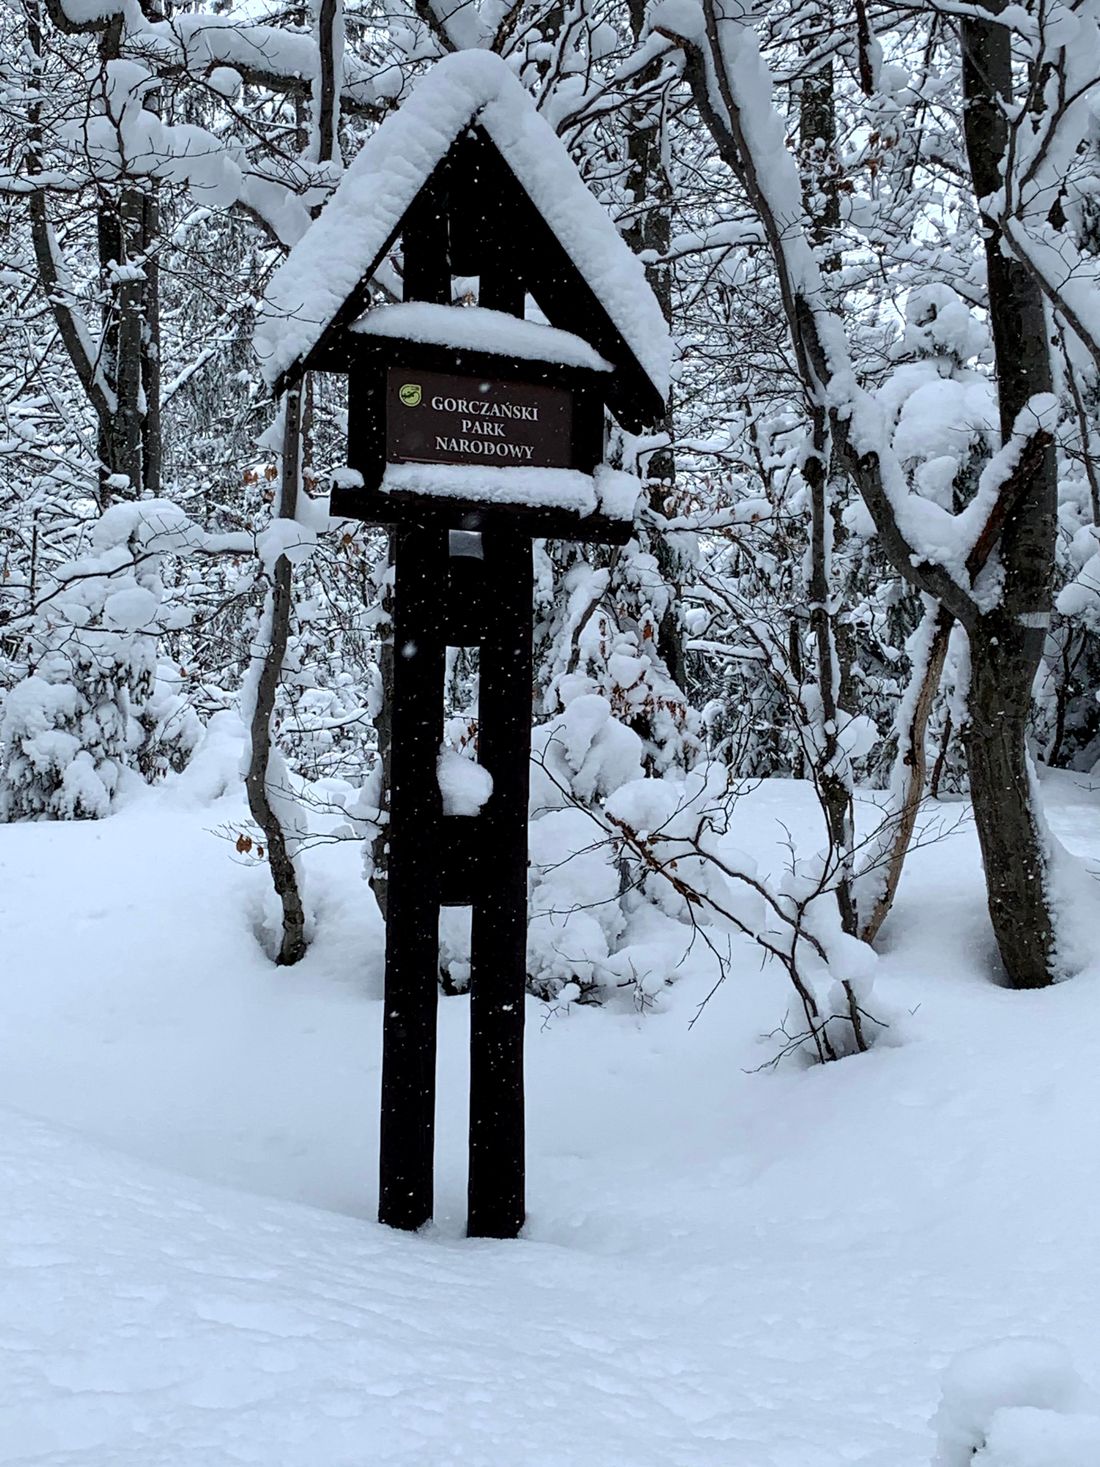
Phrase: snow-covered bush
(89,715)
(632,875)
(171,729)
(599,630)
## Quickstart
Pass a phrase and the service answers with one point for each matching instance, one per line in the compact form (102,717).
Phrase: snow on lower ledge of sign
(475,328)
(609,491)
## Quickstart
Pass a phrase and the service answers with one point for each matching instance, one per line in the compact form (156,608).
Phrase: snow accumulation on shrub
(95,710)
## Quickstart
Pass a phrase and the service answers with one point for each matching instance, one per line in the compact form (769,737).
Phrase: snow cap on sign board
(476,329)
(361,218)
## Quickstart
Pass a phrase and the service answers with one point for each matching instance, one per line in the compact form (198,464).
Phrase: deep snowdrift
(722,1268)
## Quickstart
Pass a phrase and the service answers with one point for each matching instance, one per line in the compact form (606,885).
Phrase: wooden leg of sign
(412,925)
(496,1204)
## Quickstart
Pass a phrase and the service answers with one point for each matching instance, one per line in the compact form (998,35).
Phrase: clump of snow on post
(1000,1397)
(364,213)
(476,328)
(464,784)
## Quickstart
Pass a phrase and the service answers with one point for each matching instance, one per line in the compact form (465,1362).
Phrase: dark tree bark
(284,875)
(151,440)
(1006,645)
(121,240)
(122,384)
(120,230)
(834,791)
(650,228)
(292,946)
(817,137)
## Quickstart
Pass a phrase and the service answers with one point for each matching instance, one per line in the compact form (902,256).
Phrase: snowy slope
(722,1269)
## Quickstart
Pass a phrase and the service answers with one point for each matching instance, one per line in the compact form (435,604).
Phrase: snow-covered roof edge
(389,170)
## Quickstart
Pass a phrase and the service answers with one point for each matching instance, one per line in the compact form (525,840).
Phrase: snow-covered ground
(722,1268)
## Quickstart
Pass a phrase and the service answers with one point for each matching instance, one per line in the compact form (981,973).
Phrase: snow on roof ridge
(385,176)
(476,328)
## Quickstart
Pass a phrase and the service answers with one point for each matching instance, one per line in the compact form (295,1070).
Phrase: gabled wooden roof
(469,146)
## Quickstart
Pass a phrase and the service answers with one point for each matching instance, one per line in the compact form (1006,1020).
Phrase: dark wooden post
(412,922)
(496,1198)
(407,1135)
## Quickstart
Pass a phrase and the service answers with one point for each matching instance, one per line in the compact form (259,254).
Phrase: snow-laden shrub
(600,636)
(171,729)
(598,925)
(89,715)
(630,873)
(577,920)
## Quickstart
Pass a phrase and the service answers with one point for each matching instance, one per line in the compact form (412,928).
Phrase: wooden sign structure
(461,419)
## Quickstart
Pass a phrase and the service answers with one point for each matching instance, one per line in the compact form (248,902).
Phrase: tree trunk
(650,228)
(833,784)
(1008,822)
(907,786)
(1006,645)
(284,876)
(831,639)
(151,444)
(121,228)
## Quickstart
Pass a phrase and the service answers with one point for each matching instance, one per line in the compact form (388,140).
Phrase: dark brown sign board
(567,433)
(448,418)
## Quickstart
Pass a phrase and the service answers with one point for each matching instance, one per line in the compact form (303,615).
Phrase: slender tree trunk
(262,806)
(1006,645)
(887,854)
(151,442)
(296,407)
(832,782)
(831,642)
(650,229)
(1008,823)
(120,227)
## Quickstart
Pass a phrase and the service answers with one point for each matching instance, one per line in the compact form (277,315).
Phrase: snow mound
(1024,1436)
(1001,1407)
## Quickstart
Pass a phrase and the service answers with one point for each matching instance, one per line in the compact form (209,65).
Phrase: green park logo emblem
(411,394)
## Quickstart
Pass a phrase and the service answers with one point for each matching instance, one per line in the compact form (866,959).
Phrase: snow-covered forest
(814,826)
